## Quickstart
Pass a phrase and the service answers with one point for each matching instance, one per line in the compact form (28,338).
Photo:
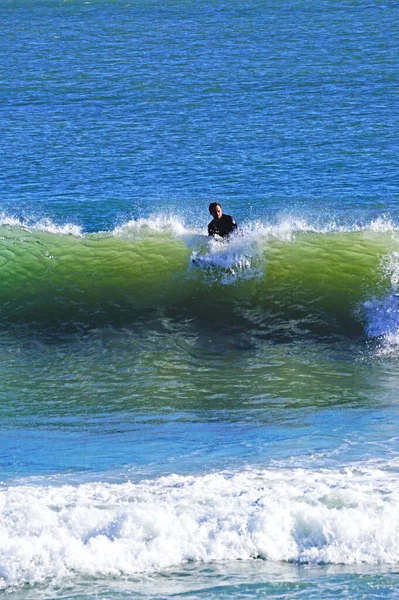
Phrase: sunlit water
(223,428)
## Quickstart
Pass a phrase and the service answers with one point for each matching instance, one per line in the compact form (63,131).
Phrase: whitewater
(336,517)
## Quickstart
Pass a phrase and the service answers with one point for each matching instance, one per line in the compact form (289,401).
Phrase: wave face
(96,529)
(268,276)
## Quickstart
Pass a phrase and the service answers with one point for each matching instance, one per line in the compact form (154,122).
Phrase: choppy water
(183,416)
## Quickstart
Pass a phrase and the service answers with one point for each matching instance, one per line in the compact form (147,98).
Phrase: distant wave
(327,278)
(350,516)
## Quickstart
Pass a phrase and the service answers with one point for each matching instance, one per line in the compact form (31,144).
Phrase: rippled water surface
(183,416)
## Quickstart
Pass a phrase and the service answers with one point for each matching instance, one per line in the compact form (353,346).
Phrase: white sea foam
(11,221)
(383,323)
(283,228)
(66,229)
(242,257)
(287,226)
(383,225)
(42,225)
(382,314)
(156,223)
(349,516)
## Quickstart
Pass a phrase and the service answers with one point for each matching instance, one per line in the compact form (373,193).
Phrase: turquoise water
(223,429)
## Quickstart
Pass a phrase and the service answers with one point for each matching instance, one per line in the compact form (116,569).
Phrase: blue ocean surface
(185,416)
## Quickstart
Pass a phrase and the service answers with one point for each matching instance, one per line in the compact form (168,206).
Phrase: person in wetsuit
(221,224)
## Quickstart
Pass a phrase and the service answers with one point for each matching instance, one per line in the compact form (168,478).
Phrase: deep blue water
(111,110)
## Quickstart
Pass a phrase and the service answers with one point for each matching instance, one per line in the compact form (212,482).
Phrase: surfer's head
(216,210)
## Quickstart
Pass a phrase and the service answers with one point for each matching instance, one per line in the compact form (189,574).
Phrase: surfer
(221,224)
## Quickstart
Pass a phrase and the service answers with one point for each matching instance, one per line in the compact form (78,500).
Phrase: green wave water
(316,280)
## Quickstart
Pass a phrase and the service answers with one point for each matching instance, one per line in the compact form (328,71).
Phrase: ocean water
(224,428)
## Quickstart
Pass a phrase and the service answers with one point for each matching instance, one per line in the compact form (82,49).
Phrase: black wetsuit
(223,226)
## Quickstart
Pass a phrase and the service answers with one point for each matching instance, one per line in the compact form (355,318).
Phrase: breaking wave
(326,278)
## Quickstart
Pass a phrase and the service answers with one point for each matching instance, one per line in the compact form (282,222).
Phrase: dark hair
(214,205)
